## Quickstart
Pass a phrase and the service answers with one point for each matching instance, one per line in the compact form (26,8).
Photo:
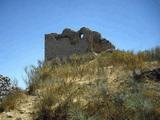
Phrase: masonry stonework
(70,42)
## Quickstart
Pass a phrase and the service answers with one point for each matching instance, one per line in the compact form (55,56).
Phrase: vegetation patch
(90,87)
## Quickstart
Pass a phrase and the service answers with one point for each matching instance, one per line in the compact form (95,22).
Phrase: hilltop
(109,85)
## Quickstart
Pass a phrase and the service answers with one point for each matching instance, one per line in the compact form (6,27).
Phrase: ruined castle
(74,42)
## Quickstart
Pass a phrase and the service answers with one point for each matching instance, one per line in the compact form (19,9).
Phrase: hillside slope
(24,109)
(91,87)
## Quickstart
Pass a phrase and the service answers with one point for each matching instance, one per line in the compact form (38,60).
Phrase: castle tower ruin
(71,42)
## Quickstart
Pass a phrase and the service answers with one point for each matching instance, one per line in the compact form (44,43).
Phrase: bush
(10,101)
(78,89)
(36,75)
(152,54)
(128,60)
(56,100)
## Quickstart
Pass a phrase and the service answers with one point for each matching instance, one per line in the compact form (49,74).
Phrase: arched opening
(81,36)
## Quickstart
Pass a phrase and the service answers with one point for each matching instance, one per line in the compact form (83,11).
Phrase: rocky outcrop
(71,42)
(151,75)
(5,86)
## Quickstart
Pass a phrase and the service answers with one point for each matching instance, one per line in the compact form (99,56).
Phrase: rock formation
(151,75)
(70,42)
(5,86)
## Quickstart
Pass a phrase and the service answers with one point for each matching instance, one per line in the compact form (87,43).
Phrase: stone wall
(71,42)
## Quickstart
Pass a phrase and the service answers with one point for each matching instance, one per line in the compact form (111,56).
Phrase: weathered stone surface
(151,74)
(70,42)
(9,114)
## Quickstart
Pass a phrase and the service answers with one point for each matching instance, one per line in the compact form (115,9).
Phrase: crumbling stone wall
(71,42)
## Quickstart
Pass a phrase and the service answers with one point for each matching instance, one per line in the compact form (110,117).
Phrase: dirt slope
(23,110)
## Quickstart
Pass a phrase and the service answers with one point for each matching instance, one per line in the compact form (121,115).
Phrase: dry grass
(10,101)
(78,89)
(128,60)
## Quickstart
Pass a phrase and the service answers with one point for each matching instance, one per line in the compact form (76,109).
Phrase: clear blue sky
(128,24)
